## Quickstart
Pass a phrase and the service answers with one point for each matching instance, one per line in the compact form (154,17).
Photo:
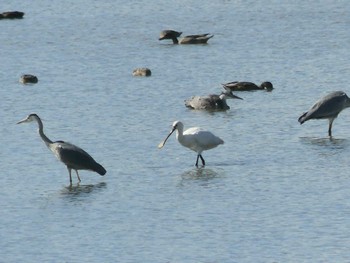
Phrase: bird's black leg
(330,127)
(78,175)
(197,160)
(203,162)
(70,175)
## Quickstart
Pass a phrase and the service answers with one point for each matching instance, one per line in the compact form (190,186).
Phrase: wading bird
(327,107)
(195,138)
(72,156)
(190,39)
(247,86)
(211,102)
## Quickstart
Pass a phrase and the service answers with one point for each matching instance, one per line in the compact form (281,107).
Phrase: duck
(27,78)
(247,86)
(190,39)
(142,72)
(211,102)
(12,15)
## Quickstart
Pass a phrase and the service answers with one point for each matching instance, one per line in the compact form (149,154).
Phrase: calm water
(274,192)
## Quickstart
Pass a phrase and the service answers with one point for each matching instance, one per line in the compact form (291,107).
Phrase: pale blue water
(274,192)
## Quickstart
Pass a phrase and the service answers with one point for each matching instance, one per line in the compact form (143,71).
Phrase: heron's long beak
(163,142)
(22,121)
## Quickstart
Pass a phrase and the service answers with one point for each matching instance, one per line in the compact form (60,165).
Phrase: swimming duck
(143,72)
(190,39)
(211,102)
(247,86)
(27,78)
(11,15)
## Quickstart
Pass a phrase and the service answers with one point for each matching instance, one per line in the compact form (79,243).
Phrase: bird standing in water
(327,107)
(195,138)
(72,156)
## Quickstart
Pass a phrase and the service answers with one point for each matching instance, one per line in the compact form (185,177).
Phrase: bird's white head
(177,125)
(31,117)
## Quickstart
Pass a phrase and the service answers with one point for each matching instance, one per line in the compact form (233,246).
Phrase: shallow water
(276,191)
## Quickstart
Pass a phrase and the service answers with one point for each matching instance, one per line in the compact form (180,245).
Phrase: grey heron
(211,102)
(72,156)
(190,39)
(247,86)
(327,107)
(195,138)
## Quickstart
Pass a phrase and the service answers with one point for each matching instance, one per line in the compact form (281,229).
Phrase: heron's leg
(203,162)
(197,160)
(78,175)
(70,175)
(330,127)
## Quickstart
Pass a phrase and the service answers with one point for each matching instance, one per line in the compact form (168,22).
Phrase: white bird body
(196,139)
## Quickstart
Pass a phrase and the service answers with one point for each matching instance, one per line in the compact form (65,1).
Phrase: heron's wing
(327,107)
(74,157)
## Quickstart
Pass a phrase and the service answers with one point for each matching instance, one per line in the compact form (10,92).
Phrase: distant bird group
(196,139)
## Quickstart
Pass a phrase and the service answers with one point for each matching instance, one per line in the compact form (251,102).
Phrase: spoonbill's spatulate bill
(327,107)
(195,138)
(72,156)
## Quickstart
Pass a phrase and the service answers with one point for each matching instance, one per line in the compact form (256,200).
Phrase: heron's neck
(46,140)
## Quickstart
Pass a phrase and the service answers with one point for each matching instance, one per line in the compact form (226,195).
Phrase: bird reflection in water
(79,189)
(199,174)
(330,142)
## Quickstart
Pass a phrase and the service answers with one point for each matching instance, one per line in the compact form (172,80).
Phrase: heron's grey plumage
(71,155)
(327,107)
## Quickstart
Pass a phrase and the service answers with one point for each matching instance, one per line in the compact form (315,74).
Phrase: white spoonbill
(194,138)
